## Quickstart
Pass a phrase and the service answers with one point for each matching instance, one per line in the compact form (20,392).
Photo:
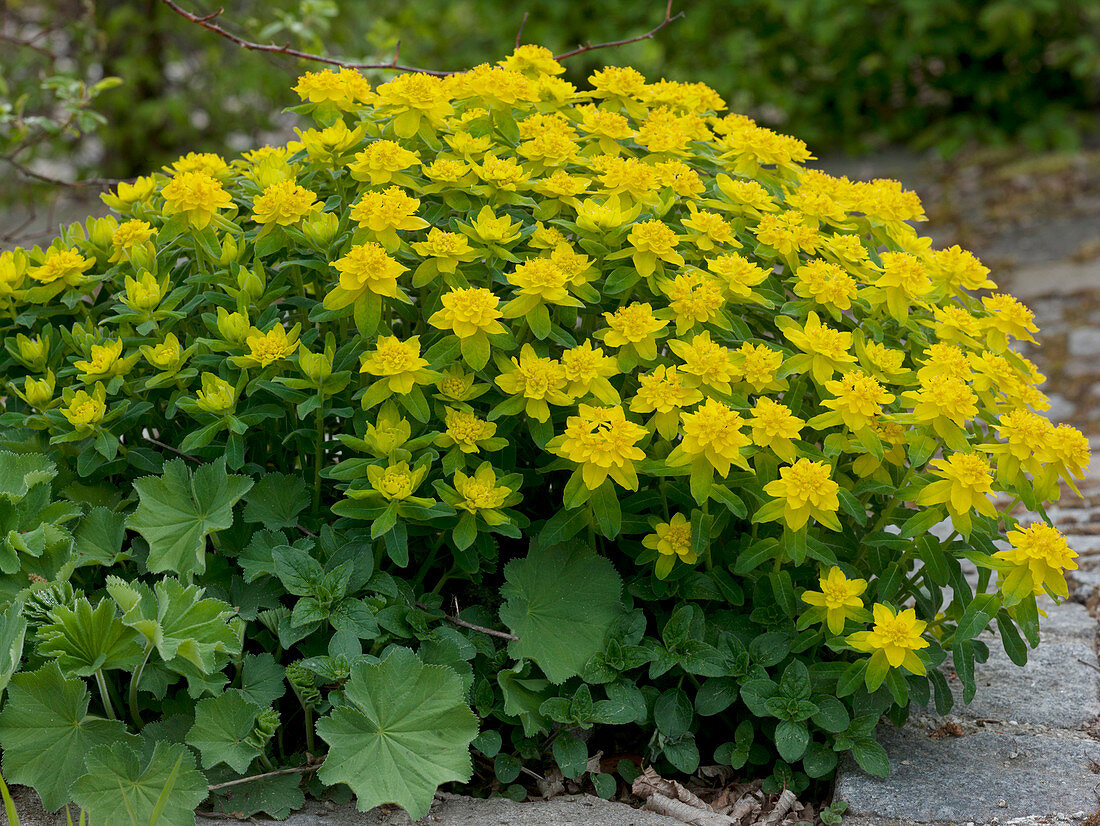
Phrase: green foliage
(496,413)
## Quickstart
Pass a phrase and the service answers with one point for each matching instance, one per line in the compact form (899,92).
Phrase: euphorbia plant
(606,368)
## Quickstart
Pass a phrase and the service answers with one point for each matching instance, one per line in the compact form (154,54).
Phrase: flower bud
(230,249)
(143,293)
(250,284)
(38,393)
(34,351)
(321,228)
(217,396)
(233,327)
(316,367)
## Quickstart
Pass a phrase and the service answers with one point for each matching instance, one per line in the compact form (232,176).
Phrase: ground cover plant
(491,427)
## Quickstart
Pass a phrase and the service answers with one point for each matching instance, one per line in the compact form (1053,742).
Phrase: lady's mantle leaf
(404,730)
(19,472)
(275,796)
(84,640)
(177,512)
(222,730)
(177,620)
(121,786)
(276,501)
(46,732)
(98,540)
(561,602)
(13,627)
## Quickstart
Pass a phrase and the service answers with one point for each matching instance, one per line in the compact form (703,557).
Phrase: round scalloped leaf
(404,730)
(560,601)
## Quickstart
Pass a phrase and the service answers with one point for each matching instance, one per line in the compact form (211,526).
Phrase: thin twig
(171,449)
(1090,665)
(306,531)
(588,46)
(303,769)
(27,172)
(271,48)
(461,622)
(522,25)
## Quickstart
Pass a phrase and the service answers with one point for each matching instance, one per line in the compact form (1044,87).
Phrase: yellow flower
(104,362)
(399,363)
(757,365)
(539,380)
(633,326)
(894,639)
(532,60)
(414,97)
(13,268)
(347,89)
(1008,317)
(67,266)
(539,281)
(600,217)
(838,599)
(604,443)
(787,233)
(217,396)
(449,249)
(396,482)
(694,298)
(388,433)
(465,430)
(365,269)
(1040,556)
(467,312)
(197,195)
(775,427)
(128,194)
(588,369)
(211,163)
(166,356)
(706,361)
(965,483)
(745,197)
(482,494)
(267,348)
(904,281)
(33,351)
(502,174)
(738,274)
(672,540)
(663,393)
(959,269)
(709,229)
(635,181)
(827,284)
(127,236)
(857,404)
(378,163)
(38,393)
(383,213)
(826,350)
(487,228)
(331,145)
(653,241)
(284,203)
(945,403)
(85,411)
(711,435)
(233,327)
(807,491)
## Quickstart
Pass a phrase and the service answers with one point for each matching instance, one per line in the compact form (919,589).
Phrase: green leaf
(571,755)
(19,472)
(13,628)
(178,511)
(98,540)
(871,757)
(46,732)
(819,760)
(791,739)
(405,728)
(177,620)
(223,731)
(716,695)
(523,699)
(262,679)
(83,640)
(276,500)
(672,713)
(299,572)
(683,754)
(831,714)
(561,602)
(119,779)
(276,796)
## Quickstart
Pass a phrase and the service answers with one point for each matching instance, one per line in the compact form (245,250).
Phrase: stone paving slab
(974,778)
(452,810)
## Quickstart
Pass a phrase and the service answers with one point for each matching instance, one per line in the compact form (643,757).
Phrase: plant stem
(135,714)
(102,683)
(310,741)
(319,457)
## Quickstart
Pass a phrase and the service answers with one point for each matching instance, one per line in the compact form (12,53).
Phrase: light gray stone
(1068,621)
(974,778)
(1050,279)
(1057,688)
(455,810)
(1084,342)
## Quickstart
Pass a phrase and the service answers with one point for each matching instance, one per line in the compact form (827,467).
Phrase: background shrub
(609,369)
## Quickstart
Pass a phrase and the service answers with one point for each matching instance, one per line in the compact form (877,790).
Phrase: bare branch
(522,25)
(463,624)
(27,172)
(271,48)
(171,449)
(307,767)
(588,46)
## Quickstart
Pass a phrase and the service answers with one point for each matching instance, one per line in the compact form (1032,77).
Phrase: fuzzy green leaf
(276,500)
(13,628)
(177,620)
(46,732)
(275,796)
(123,786)
(83,640)
(178,511)
(262,679)
(560,602)
(222,730)
(404,730)
(98,540)
(19,472)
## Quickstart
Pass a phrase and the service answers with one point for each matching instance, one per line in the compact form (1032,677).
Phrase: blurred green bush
(841,75)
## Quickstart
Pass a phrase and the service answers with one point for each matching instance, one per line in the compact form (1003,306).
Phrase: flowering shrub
(607,369)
